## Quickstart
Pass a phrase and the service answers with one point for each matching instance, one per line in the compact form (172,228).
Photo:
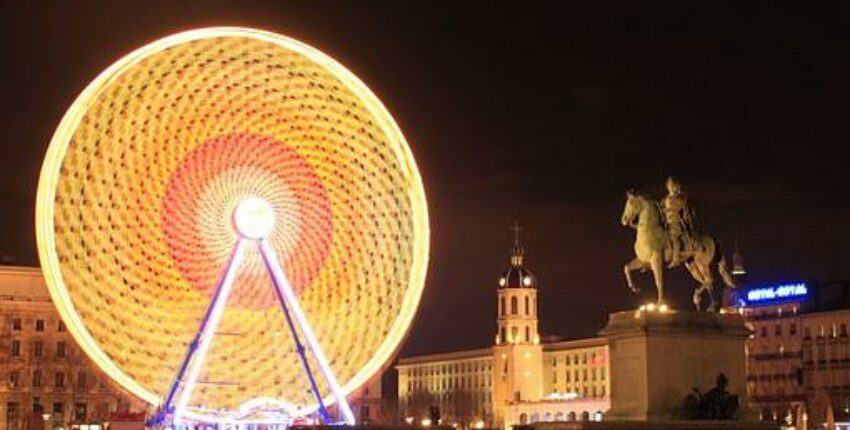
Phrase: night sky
(542,113)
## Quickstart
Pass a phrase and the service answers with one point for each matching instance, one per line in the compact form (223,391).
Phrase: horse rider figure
(679,220)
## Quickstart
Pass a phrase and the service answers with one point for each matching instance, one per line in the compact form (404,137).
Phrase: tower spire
(738,261)
(517,251)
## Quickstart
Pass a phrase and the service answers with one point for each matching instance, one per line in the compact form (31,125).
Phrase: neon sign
(778,293)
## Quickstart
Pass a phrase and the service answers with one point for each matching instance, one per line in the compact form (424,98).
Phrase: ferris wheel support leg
(200,344)
(281,284)
(299,347)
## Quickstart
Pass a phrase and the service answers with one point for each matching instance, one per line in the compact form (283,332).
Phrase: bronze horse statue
(652,251)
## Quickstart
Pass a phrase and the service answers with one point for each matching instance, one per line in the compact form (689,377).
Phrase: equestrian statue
(667,234)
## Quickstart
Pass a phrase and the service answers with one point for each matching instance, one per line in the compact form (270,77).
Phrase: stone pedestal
(655,425)
(657,358)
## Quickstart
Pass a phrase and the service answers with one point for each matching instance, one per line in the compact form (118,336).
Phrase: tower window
(514,334)
(514,306)
(504,335)
(502,307)
(527,307)
(527,334)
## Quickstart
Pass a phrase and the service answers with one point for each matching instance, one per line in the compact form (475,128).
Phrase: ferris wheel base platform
(368,427)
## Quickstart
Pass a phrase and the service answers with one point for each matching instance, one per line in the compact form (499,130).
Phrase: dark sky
(543,113)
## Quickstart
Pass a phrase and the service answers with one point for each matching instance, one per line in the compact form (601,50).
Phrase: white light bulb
(253,218)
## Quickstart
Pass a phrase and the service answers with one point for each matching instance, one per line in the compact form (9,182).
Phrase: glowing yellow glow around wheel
(141,189)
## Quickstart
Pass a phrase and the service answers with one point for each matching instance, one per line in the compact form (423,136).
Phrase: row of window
(14,413)
(38,349)
(471,398)
(796,376)
(59,379)
(444,369)
(823,351)
(559,416)
(18,325)
(769,352)
(830,378)
(757,314)
(574,375)
(578,358)
(477,366)
(778,330)
(585,391)
(503,335)
(515,306)
(444,384)
(836,330)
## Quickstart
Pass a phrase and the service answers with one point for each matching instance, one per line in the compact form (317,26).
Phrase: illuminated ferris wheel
(230,223)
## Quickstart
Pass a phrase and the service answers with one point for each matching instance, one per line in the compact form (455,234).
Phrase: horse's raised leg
(631,266)
(657,265)
(709,287)
(706,279)
(712,304)
(694,270)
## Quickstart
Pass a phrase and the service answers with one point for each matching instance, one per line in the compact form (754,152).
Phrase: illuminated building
(459,383)
(47,381)
(798,354)
(774,357)
(519,379)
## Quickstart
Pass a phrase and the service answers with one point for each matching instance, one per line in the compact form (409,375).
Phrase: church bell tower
(517,353)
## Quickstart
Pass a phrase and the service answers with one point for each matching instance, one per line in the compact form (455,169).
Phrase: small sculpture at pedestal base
(716,404)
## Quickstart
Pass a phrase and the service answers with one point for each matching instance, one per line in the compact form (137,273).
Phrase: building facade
(826,366)
(460,384)
(798,356)
(774,359)
(370,406)
(47,381)
(517,380)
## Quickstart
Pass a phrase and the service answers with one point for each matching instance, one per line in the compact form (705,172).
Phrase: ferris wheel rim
(51,175)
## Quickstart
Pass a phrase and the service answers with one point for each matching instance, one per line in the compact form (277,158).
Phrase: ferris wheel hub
(254,218)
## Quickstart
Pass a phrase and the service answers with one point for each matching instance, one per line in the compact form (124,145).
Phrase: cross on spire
(517,229)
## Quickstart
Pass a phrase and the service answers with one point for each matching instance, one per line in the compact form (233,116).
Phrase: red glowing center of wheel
(246,181)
